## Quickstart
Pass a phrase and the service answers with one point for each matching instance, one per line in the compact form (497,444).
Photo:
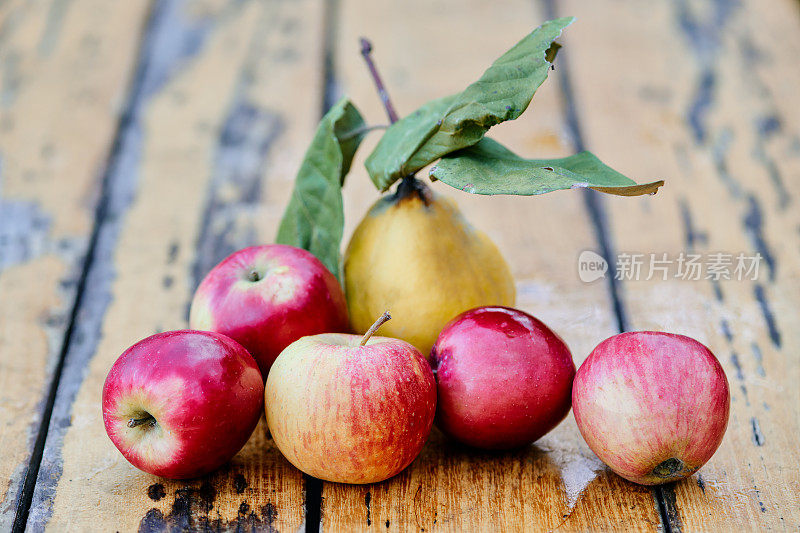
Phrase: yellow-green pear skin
(417,257)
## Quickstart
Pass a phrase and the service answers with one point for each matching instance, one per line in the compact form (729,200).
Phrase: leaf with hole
(454,122)
(491,168)
(314,218)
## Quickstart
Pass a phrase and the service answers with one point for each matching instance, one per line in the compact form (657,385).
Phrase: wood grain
(700,95)
(214,116)
(227,96)
(65,70)
(428,50)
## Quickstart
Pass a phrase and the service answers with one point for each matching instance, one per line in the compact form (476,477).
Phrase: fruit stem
(358,131)
(147,419)
(374,327)
(411,185)
(366,50)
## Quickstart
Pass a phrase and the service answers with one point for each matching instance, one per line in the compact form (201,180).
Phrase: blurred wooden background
(141,142)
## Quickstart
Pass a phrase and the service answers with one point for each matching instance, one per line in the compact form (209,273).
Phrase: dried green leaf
(448,124)
(490,168)
(403,139)
(314,218)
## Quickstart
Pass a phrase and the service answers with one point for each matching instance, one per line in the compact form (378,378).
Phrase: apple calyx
(374,327)
(670,468)
(147,419)
(254,276)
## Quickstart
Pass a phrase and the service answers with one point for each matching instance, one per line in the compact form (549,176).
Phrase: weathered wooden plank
(425,51)
(704,95)
(65,69)
(228,98)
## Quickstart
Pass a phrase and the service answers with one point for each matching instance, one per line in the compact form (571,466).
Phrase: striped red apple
(350,409)
(653,406)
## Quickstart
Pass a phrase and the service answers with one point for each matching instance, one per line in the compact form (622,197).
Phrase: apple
(503,378)
(182,403)
(349,409)
(653,406)
(266,297)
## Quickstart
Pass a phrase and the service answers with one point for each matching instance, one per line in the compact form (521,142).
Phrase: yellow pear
(415,255)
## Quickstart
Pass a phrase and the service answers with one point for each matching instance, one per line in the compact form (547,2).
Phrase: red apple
(266,297)
(345,411)
(503,377)
(653,406)
(182,403)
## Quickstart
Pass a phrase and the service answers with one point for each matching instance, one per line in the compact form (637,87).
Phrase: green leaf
(454,122)
(490,168)
(388,161)
(314,218)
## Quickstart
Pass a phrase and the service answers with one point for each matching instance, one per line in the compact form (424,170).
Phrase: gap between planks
(663,495)
(132,99)
(313,486)
(233,138)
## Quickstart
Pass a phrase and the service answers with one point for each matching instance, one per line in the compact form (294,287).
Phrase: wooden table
(141,142)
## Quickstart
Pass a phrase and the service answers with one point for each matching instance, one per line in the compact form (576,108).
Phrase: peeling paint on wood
(245,139)
(50,151)
(726,191)
(120,185)
(203,118)
(205,154)
(557,483)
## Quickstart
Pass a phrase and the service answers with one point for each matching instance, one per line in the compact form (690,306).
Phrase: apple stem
(148,419)
(374,327)
(366,50)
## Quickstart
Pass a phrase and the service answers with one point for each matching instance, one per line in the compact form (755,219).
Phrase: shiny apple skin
(503,378)
(204,391)
(348,413)
(296,296)
(644,400)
